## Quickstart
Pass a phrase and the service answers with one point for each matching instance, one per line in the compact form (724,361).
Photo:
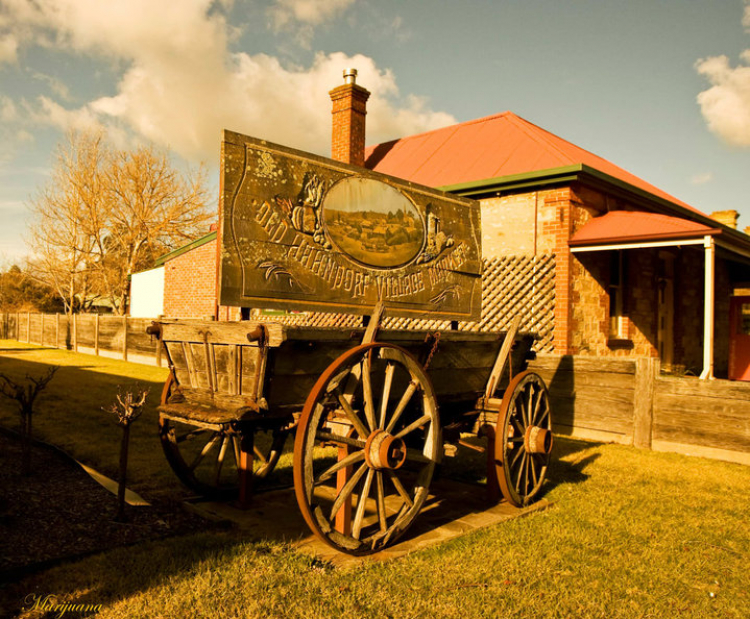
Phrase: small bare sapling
(127,408)
(25,394)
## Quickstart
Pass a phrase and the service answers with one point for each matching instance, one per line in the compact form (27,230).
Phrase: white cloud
(8,48)
(181,84)
(311,12)
(726,104)
(746,16)
(702,178)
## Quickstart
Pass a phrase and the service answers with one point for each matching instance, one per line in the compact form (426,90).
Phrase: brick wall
(190,283)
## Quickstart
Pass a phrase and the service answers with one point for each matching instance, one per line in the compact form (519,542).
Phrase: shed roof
(636,226)
(488,148)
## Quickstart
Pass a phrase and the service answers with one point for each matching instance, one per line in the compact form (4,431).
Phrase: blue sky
(658,87)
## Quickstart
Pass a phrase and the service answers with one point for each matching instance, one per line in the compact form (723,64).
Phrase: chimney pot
(350,76)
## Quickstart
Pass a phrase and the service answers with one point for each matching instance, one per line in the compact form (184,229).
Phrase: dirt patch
(59,512)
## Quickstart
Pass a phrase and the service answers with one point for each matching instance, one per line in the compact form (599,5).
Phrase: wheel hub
(384,451)
(537,440)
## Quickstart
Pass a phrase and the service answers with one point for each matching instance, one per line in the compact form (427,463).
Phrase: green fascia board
(515,181)
(599,180)
(185,248)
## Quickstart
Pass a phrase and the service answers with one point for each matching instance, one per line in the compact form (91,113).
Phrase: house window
(617,319)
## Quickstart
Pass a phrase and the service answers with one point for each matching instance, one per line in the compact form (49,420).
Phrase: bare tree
(152,209)
(25,395)
(127,408)
(108,213)
(67,218)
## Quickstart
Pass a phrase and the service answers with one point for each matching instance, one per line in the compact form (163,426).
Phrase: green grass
(69,412)
(631,534)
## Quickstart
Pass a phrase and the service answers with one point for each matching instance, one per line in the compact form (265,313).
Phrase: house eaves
(185,248)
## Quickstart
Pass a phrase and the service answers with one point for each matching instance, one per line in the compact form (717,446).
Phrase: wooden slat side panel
(713,414)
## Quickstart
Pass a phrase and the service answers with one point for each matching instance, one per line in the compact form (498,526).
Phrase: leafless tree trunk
(25,395)
(127,408)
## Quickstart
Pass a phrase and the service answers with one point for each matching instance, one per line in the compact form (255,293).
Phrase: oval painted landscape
(373,222)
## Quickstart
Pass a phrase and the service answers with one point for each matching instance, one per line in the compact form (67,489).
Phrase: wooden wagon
(373,410)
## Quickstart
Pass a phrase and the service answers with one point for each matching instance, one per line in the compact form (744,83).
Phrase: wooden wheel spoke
(336,380)
(389,371)
(537,408)
(351,415)
(544,415)
(361,504)
(220,459)
(353,458)
(206,448)
(347,490)
(400,488)
(330,437)
(236,450)
(380,494)
(518,454)
(401,407)
(260,455)
(367,392)
(419,423)
(521,469)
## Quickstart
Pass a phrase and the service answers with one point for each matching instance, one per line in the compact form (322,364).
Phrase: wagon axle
(384,451)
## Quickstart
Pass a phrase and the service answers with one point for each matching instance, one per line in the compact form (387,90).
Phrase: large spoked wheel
(206,458)
(523,439)
(366,448)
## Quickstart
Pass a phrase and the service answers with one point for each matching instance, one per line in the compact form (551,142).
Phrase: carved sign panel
(303,232)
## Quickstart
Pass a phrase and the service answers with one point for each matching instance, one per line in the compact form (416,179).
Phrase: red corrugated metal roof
(636,226)
(486,148)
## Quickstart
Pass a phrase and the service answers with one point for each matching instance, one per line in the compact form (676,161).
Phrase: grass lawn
(632,534)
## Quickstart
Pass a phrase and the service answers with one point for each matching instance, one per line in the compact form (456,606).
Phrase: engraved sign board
(304,232)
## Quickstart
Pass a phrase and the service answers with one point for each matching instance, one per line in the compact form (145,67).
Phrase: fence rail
(120,337)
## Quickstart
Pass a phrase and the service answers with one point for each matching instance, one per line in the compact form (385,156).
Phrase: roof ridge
(454,126)
(524,124)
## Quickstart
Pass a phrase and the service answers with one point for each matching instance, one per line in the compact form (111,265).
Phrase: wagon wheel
(367,442)
(205,457)
(523,439)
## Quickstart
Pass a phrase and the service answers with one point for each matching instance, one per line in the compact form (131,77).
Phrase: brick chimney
(728,218)
(349,110)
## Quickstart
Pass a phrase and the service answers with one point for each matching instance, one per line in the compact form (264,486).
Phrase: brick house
(633,271)
(637,271)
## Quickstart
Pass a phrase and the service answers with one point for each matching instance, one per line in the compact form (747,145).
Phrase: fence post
(125,338)
(96,334)
(646,371)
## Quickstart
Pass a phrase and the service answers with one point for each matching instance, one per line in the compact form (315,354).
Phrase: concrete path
(452,509)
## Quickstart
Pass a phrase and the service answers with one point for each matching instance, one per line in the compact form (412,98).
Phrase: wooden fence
(628,401)
(119,337)
(619,400)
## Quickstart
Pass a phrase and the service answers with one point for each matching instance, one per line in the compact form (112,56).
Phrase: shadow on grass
(68,413)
